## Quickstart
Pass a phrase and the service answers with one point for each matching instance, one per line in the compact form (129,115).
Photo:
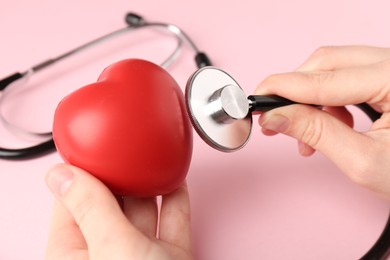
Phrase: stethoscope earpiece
(134,22)
(133,19)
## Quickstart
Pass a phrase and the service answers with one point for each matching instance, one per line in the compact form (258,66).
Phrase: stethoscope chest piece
(218,109)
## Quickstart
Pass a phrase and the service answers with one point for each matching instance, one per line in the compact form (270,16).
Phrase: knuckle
(323,53)
(359,173)
(320,81)
(383,96)
(313,132)
(383,68)
(269,80)
(364,174)
(83,209)
(323,58)
(385,64)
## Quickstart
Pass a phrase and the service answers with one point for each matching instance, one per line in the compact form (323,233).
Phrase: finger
(93,207)
(142,213)
(304,149)
(321,131)
(382,123)
(341,113)
(119,199)
(175,226)
(65,238)
(340,57)
(268,132)
(333,88)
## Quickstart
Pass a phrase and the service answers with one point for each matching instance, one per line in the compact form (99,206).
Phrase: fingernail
(59,180)
(276,123)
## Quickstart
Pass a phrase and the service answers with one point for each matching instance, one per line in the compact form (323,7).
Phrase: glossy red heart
(129,129)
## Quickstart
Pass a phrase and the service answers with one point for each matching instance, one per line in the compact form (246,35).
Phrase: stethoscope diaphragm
(218,109)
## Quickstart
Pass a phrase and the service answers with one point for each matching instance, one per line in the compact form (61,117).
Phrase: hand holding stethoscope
(336,77)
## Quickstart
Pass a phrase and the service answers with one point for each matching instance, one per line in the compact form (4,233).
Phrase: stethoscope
(134,22)
(220,111)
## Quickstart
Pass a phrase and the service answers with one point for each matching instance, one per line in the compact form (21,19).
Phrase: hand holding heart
(129,129)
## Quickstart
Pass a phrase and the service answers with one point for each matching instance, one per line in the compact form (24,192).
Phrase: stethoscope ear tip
(202,60)
(218,109)
(133,19)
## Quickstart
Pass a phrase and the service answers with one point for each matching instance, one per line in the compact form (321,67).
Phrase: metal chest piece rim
(218,109)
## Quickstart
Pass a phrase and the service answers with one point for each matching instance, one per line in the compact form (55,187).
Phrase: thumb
(337,141)
(94,208)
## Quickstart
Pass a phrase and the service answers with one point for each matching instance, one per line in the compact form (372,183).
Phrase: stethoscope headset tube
(133,22)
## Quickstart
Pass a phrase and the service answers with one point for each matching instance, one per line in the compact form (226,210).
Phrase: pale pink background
(264,202)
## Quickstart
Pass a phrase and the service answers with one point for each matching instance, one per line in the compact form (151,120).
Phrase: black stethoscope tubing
(133,21)
(381,248)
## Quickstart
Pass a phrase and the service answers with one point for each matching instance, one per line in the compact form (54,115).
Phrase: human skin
(89,223)
(335,77)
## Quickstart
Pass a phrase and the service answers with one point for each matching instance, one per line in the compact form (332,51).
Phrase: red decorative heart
(129,129)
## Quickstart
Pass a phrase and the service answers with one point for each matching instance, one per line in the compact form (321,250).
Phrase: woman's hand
(335,77)
(88,222)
